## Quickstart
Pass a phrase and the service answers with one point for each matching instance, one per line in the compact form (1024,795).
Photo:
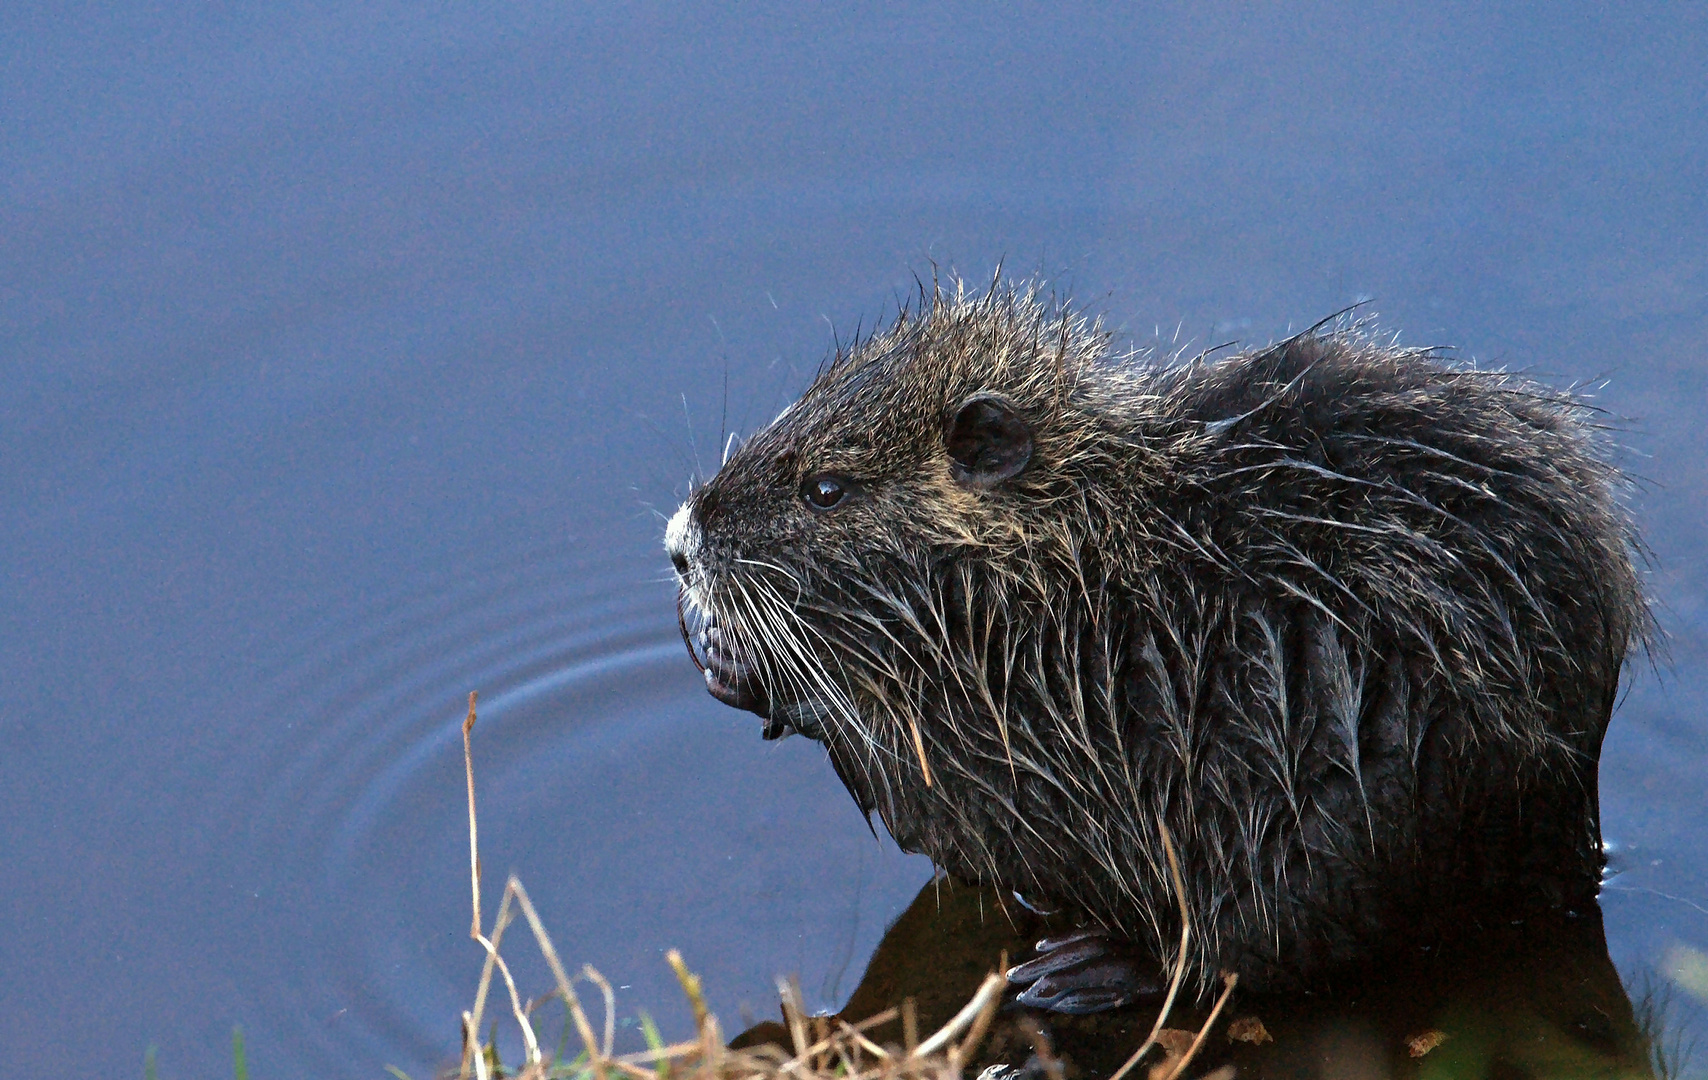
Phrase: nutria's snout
(728,677)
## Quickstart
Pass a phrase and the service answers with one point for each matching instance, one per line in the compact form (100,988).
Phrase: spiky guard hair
(1347,617)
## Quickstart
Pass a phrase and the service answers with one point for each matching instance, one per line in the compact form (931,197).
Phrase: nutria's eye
(824,492)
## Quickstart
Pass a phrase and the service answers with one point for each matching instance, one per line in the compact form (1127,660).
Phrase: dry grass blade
(530,1041)
(566,991)
(1228,982)
(790,994)
(471,1046)
(1179,961)
(610,1005)
(851,1032)
(919,748)
(690,986)
(988,997)
(877,1020)
(474,842)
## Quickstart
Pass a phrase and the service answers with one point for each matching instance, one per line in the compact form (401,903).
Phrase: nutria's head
(808,559)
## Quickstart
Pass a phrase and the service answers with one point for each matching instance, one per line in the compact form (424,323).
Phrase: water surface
(350,355)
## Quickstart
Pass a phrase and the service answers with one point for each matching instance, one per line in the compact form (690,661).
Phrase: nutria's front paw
(1084,972)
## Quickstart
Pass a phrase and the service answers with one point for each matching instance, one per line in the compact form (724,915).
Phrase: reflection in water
(1540,998)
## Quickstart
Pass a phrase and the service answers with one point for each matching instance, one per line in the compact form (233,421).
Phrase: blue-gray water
(350,351)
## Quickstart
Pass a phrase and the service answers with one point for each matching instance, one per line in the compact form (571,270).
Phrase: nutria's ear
(988,443)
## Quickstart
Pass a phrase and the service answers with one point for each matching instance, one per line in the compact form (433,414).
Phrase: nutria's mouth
(729,678)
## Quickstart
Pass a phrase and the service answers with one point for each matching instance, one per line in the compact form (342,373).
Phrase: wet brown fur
(1349,618)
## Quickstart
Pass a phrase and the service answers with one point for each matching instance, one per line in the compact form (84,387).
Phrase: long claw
(1083,972)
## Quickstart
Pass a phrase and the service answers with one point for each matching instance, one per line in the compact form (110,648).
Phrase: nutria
(1347,619)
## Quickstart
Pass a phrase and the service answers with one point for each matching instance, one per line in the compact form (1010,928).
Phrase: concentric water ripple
(641,815)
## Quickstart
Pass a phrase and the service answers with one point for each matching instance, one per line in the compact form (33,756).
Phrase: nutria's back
(1348,619)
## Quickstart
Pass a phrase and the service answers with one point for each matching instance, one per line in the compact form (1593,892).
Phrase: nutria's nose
(681,540)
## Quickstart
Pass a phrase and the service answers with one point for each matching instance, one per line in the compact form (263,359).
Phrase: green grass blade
(654,1041)
(239,1059)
